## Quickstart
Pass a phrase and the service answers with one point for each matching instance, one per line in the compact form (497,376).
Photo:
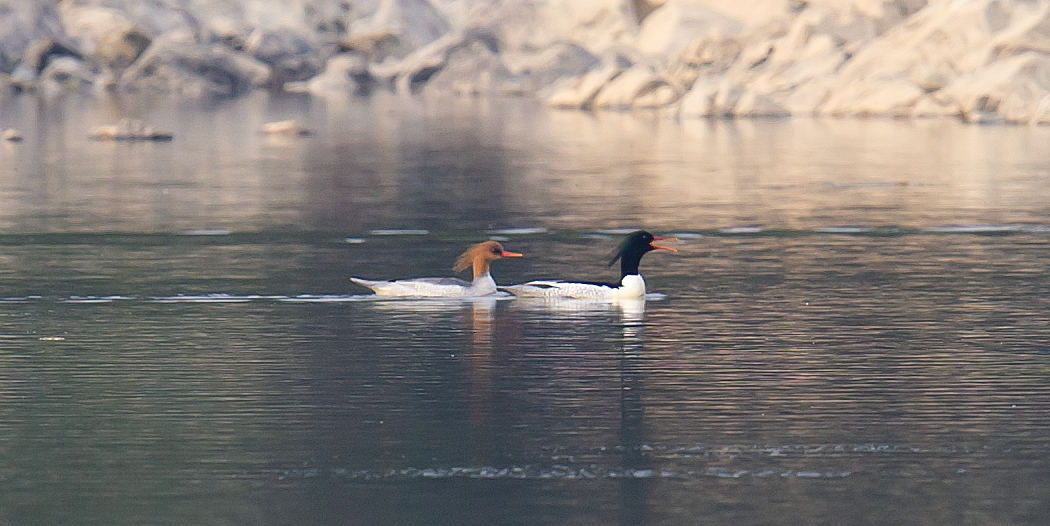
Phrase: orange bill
(658,247)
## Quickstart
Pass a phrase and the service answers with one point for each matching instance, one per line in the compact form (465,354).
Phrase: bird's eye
(497,251)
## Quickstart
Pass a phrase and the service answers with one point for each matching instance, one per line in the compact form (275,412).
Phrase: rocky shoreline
(985,61)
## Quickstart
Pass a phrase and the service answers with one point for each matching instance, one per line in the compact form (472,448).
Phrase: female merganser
(630,253)
(479,256)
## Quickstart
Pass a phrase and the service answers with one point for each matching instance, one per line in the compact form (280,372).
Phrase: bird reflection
(479,395)
(632,413)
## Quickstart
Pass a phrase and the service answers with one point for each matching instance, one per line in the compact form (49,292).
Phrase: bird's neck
(481,268)
(629,265)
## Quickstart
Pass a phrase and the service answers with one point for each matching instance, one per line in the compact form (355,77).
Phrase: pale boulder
(344,73)
(1012,90)
(120,46)
(413,25)
(193,70)
(86,24)
(637,84)
(24,22)
(292,54)
(752,104)
(744,12)
(931,107)
(540,70)
(889,75)
(473,68)
(599,26)
(890,98)
(699,101)
(580,92)
(672,27)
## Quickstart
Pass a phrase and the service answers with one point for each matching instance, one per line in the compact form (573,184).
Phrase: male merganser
(630,253)
(479,256)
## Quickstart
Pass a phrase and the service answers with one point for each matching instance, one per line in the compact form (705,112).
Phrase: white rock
(676,24)
(580,92)
(745,12)
(288,127)
(1013,90)
(929,107)
(472,69)
(67,72)
(415,23)
(752,104)
(621,92)
(194,70)
(892,97)
(538,71)
(340,76)
(700,100)
(85,24)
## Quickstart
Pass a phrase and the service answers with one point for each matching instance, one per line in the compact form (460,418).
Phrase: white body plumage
(483,285)
(631,286)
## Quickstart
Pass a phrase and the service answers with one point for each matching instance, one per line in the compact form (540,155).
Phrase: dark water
(854,331)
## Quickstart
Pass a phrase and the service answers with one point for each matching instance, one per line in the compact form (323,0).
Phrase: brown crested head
(480,256)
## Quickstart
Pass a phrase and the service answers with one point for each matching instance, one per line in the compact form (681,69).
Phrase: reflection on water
(464,164)
(854,331)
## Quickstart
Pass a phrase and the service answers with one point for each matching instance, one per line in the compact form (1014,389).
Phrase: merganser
(479,256)
(630,253)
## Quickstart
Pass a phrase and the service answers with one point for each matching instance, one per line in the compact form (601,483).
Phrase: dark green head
(633,247)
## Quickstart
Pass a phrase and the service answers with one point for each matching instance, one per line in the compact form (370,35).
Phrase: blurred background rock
(980,60)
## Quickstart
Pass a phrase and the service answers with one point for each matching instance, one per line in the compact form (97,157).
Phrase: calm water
(856,329)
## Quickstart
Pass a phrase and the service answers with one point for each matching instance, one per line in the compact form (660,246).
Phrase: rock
(413,24)
(410,73)
(344,73)
(929,106)
(158,18)
(673,26)
(1041,115)
(37,57)
(120,46)
(889,75)
(887,98)
(23,22)
(65,73)
(726,97)
(539,71)
(291,54)
(580,92)
(86,24)
(707,56)
(194,70)
(790,70)
(699,101)
(376,46)
(1012,90)
(599,26)
(744,12)
(635,83)
(40,53)
(473,68)
(11,135)
(752,104)
(288,128)
(129,130)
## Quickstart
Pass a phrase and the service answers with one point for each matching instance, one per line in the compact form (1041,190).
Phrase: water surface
(854,329)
